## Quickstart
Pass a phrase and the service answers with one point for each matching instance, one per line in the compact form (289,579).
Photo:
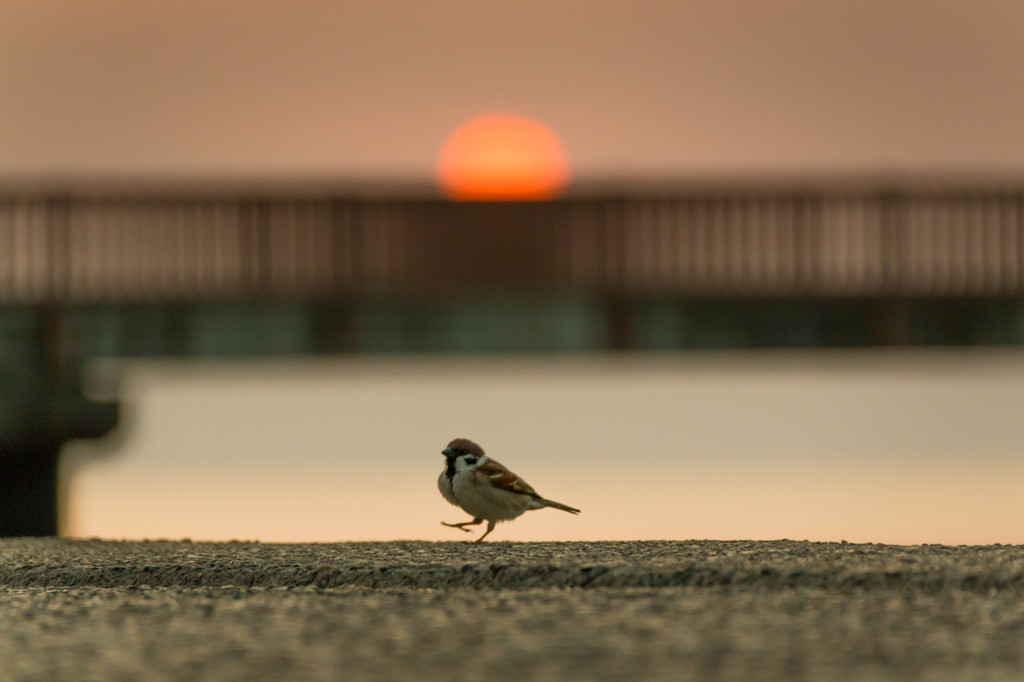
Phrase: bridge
(123,272)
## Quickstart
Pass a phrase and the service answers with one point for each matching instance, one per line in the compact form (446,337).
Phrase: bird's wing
(500,477)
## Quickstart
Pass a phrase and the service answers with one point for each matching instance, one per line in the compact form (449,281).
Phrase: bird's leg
(462,526)
(490,527)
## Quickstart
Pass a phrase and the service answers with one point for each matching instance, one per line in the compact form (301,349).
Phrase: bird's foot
(456,525)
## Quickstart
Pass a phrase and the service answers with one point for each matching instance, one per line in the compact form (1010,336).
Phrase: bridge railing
(93,248)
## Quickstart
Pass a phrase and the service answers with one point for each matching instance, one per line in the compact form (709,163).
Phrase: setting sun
(502,157)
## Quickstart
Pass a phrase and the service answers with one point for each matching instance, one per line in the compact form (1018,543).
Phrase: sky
(885,450)
(647,89)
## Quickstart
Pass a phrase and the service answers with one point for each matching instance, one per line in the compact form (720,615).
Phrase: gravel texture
(783,610)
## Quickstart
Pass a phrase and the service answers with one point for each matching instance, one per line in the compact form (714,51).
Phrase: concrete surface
(701,610)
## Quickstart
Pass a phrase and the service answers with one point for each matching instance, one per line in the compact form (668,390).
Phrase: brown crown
(467,445)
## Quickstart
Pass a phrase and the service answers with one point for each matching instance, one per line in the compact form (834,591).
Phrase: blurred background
(702,269)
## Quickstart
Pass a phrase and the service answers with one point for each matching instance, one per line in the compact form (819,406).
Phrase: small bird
(485,489)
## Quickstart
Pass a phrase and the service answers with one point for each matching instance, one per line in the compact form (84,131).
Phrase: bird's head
(463,454)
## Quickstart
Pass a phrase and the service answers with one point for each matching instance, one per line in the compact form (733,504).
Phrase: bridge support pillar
(28,491)
(32,433)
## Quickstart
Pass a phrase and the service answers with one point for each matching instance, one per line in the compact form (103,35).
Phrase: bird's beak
(447,452)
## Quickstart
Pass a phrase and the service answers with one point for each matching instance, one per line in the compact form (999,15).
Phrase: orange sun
(502,157)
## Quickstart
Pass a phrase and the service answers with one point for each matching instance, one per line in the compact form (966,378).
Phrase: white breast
(445,486)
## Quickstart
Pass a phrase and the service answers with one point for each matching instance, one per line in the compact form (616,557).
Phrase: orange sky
(370,90)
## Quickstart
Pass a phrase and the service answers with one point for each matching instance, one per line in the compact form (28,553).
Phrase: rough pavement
(783,610)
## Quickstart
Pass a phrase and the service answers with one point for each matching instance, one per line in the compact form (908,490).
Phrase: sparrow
(485,489)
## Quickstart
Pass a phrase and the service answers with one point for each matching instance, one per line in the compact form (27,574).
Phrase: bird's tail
(559,505)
